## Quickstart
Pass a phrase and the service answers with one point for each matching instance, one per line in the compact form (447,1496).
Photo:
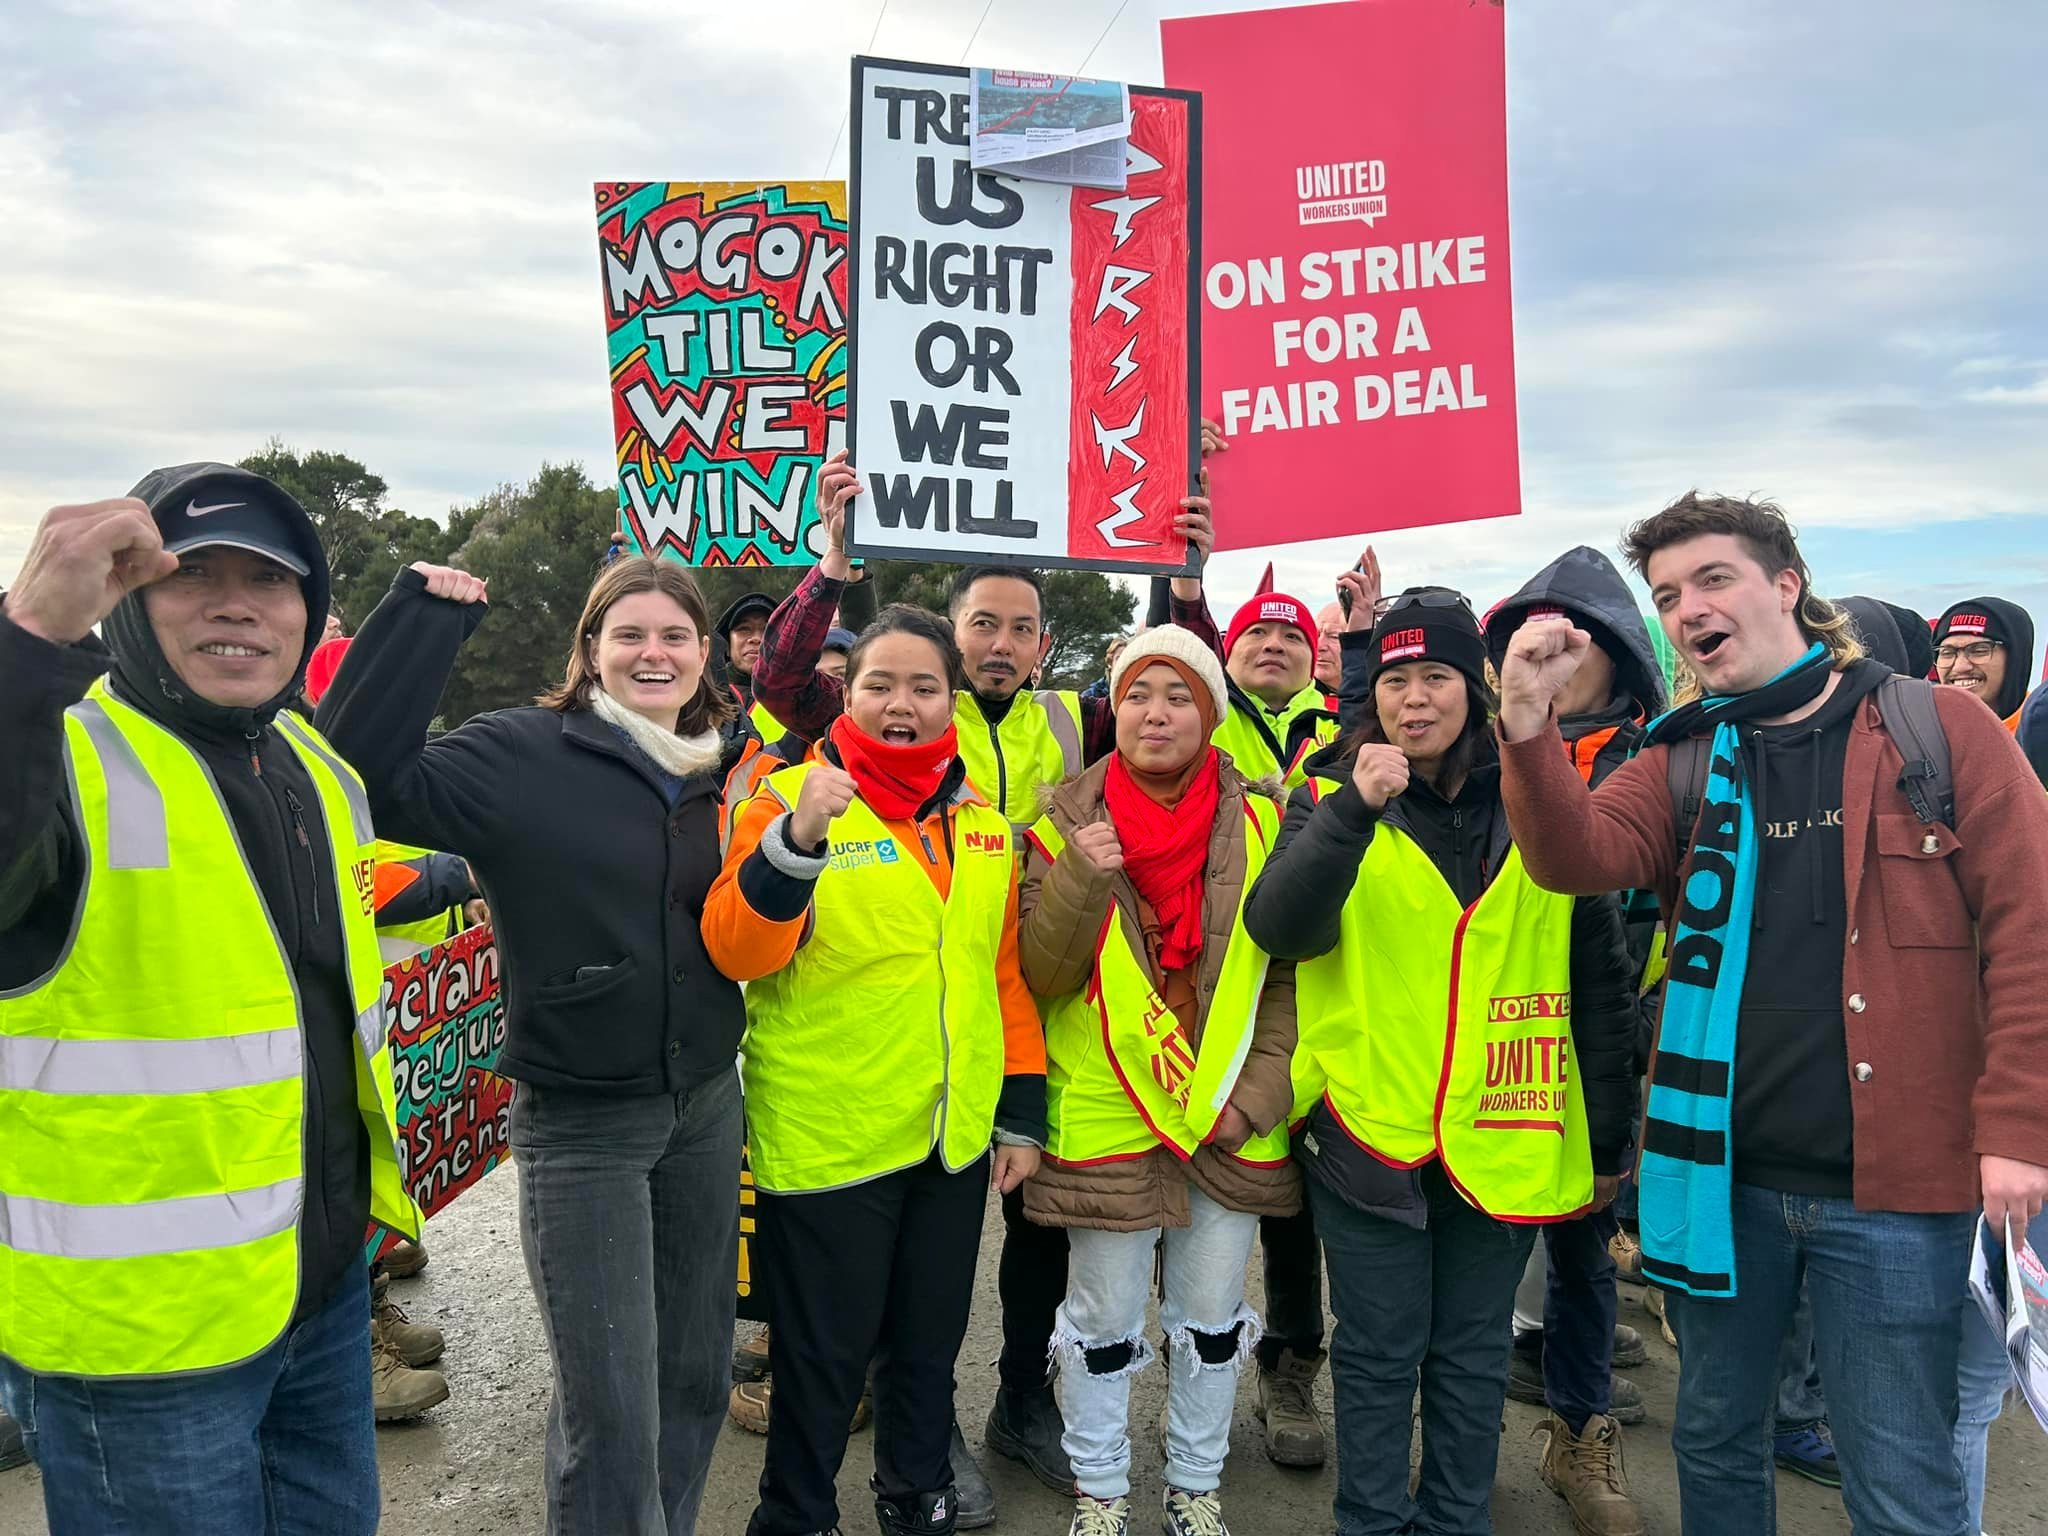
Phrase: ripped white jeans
(1099,1341)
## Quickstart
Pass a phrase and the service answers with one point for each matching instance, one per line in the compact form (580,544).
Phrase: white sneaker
(1194,1514)
(1100,1517)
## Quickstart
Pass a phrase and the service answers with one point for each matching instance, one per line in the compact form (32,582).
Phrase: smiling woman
(591,824)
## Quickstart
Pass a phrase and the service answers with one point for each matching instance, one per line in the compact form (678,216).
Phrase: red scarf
(896,782)
(1166,851)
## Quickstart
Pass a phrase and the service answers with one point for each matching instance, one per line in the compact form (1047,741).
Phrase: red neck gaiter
(895,781)
(1166,851)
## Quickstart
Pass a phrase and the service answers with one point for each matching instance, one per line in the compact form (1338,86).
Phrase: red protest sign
(1357,327)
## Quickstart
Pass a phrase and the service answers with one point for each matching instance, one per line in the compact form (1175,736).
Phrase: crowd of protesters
(1382,938)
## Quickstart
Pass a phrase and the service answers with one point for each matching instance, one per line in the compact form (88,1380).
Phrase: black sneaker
(1026,1427)
(13,1448)
(918,1514)
(1525,1385)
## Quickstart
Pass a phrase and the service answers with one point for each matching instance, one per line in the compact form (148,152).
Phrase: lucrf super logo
(1341,189)
(986,842)
(364,873)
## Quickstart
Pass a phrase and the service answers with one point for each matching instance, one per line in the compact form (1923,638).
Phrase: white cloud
(1743,259)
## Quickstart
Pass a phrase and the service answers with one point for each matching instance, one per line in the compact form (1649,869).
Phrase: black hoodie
(1584,585)
(2010,623)
(41,862)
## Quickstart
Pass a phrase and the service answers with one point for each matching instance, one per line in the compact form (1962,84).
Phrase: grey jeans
(629,1219)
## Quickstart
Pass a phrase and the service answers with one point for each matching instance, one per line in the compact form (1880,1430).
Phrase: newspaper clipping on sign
(1050,127)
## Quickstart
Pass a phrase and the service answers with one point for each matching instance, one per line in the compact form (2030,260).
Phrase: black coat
(596,885)
(1294,911)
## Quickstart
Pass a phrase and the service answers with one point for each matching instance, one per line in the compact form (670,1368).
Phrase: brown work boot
(396,1389)
(1287,1411)
(751,1401)
(404,1261)
(417,1344)
(1586,1471)
(1627,1254)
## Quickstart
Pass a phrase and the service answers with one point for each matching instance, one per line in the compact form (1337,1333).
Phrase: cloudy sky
(1758,247)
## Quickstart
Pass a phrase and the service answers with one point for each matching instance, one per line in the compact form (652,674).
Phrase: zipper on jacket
(255,762)
(299,831)
(1002,768)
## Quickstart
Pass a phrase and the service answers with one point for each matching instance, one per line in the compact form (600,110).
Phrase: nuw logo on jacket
(986,842)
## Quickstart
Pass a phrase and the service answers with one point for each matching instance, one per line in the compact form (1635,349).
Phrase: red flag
(1265,582)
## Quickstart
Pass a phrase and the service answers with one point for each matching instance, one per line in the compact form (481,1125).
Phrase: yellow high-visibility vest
(152,1092)
(1121,1074)
(422,933)
(1250,749)
(1012,762)
(772,730)
(882,1039)
(1439,1031)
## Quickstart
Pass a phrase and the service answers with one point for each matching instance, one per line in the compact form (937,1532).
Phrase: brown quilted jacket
(1061,909)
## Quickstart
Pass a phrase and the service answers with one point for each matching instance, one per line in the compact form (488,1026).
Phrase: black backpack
(1910,719)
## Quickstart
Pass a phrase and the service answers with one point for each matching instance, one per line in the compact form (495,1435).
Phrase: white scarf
(679,755)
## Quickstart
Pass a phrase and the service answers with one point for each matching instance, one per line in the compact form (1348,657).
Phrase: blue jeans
(1801,1402)
(629,1218)
(1886,1327)
(1983,1377)
(1434,1302)
(282,1445)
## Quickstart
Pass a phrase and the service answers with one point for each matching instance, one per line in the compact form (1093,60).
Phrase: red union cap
(1271,608)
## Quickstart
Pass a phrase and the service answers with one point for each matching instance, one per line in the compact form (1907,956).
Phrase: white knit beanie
(1181,645)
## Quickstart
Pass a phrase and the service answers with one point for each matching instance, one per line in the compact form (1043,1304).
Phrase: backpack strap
(1928,780)
(1685,772)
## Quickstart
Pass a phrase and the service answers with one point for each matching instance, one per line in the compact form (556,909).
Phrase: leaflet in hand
(2011,1287)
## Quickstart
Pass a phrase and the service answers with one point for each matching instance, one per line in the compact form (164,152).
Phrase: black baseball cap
(741,606)
(221,506)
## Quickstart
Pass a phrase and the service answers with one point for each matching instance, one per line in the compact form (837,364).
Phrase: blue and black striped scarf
(1684,1175)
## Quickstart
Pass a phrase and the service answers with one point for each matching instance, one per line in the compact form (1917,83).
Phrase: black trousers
(1293,1261)
(881,1270)
(1032,1282)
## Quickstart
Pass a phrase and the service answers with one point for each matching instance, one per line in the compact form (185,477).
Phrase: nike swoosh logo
(193,509)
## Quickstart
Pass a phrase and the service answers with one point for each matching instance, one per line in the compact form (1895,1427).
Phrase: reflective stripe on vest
(1011,763)
(882,1039)
(1435,1032)
(1121,1076)
(1251,742)
(152,1084)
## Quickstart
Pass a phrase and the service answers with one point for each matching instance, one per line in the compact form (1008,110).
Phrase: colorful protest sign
(1357,328)
(1022,379)
(725,304)
(446,1025)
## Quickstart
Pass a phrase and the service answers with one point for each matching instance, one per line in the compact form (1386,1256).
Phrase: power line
(833,153)
(977,29)
(1104,38)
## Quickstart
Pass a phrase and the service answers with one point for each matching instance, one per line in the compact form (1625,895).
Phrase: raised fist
(82,561)
(826,793)
(456,586)
(1541,659)
(1379,774)
(1097,847)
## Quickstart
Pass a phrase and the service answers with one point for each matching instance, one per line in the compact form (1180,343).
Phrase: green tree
(538,545)
(366,541)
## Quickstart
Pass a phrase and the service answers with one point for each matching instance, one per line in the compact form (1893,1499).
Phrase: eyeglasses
(1978,651)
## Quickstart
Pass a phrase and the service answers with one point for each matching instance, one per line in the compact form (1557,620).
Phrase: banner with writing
(446,1023)
(1357,326)
(725,304)
(1023,378)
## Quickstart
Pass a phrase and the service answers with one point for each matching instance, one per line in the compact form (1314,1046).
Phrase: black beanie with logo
(1431,624)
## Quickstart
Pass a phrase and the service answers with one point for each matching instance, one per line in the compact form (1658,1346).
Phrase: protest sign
(725,304)
(446,1024)
(1022,374)
(1357,329)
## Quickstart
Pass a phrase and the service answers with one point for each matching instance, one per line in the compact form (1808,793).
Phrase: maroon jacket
(1945,975)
